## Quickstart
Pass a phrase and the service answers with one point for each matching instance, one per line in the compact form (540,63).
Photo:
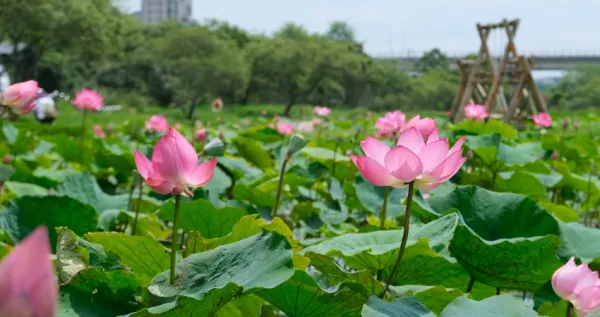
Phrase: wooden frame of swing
(485,86)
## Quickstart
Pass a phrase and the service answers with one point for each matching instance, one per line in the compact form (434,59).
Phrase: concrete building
(156,11)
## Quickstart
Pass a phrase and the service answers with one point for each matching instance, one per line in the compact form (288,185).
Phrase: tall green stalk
(409,199)
(174,247)
(288,155)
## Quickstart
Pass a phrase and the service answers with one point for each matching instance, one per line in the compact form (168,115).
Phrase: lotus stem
(174,238)
(383,214)
(137,210)
(409,199)
(470,286)
(288,155)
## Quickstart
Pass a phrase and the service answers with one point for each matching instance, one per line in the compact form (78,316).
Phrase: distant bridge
(543,61)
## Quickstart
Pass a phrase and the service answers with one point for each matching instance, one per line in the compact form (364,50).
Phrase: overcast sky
(397,26)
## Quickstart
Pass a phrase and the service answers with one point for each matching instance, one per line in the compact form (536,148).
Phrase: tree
(340,31)
(433,59)
(292,31)
(228,32)
(199,66)
(87,28)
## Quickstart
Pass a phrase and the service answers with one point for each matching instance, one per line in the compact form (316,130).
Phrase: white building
(156,11)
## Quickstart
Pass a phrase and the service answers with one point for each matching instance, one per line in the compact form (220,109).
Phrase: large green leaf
(334,274)
(83,187)
(145,256)
(524,184)
(562,212)
(302,296)
(262,261)
(74,303)
(22,215)
(504,305)
(114,286)
(376,250)
(402,307)
(435,298)
(71,258)
(490,149)
(324,154)
(200,215)
(579,241)
(25,189)
(254,153)
(492,126)
(6,172)
(497,244)
(241,168)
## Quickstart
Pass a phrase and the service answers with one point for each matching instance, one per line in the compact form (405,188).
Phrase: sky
(400,27)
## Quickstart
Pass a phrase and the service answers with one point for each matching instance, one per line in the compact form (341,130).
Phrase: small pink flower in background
(88,100)
(178,126)
(390,123)
(265,112)
(174,166)
(109,127)
(322,111)
(369,114)
(276,118)
(51,191)
(542,120)
(576,124)
(476,112)
(426,195)
(271,125)
(200,135)
(157,123)
(316,121)
(579,285)
(219,119)
(20,96)
(98,131)
(285,128)
(221,133)
(6,160)
(448,114)
(554,156)
(427,163)
(198,124)
(565,123)
(27,282)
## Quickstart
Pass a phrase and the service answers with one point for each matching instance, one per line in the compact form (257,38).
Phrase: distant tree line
(77,43)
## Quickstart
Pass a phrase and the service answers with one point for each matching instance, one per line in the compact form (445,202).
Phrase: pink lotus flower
(276,118)
(428,164)
(20,96)
(316,121)
(200,135)
(579,285)
(285,128)
(542,120)
(476,112)
(98,131)
(88,100)
(157,123)
(221,133)
(322,111)
(27,282)
(6,160)
(271,125)
(390,123)
(174,166)
(109,127)
(369,114)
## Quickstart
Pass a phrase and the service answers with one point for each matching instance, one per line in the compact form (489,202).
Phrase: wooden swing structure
(484,82)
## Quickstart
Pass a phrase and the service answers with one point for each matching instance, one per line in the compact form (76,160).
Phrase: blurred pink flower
(285,128)
(200,135)
(542,119)
(265,112)
(579,285)
(316,121)
(276,118)
(426,195)
(98,131)
(51,191)
(322,111)
(27,282)
(174,166)
(390,123)
(369,114)
(6,160)
(157,123)
(425,126)
(271,125)
(20,96)
(88,100)
(428,164)
(221,133)
(554,156)
(109,127)
(476,112)
(178,126)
